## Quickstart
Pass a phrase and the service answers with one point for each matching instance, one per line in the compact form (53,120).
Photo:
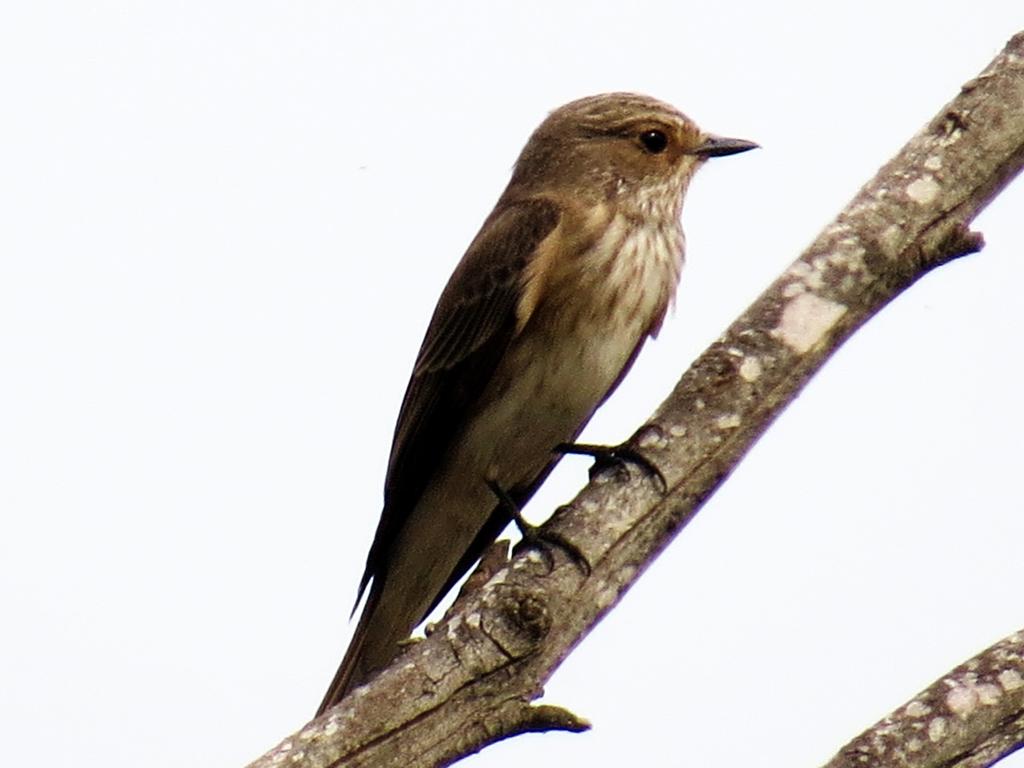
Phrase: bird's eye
(654,141)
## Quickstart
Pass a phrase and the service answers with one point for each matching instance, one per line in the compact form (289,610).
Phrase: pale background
(224,227)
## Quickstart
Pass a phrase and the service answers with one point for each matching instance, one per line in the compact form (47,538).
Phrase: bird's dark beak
(719,146)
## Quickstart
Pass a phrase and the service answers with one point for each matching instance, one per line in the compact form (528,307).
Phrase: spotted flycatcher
(575,267)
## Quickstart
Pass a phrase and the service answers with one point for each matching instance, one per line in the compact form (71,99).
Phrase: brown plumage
(572,271)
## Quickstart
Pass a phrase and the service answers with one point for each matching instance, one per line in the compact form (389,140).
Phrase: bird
(573,270)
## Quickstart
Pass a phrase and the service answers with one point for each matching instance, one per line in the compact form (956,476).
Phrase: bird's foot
(608,456)
(537,537)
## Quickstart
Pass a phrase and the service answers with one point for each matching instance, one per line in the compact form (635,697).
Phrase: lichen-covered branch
(472,680)
(969,718)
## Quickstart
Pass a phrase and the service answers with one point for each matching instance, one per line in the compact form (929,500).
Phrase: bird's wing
(469,332)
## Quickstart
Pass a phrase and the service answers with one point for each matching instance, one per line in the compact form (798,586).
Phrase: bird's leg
(607,456)
(536,536)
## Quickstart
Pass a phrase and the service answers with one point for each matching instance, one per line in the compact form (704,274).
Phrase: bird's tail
(403,594)
(374,644)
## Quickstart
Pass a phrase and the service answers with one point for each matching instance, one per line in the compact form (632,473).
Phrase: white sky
(224,228)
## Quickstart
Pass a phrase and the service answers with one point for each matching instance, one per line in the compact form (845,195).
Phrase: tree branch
(969,718)
(471,682)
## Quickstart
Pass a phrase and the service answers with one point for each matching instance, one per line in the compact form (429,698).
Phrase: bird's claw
(541,540)
(608,456)
(537,537)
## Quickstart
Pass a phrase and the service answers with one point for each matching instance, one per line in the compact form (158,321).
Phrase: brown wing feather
(471,327)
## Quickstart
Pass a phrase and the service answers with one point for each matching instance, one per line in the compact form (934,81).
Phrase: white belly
(573,350)
(581,333)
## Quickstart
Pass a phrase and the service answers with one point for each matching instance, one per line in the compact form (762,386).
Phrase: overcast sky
(225,226)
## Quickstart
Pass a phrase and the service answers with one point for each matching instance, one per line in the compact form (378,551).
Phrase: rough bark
(471,681)
(969,718)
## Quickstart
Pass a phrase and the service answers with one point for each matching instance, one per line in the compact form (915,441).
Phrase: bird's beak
(719,146)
